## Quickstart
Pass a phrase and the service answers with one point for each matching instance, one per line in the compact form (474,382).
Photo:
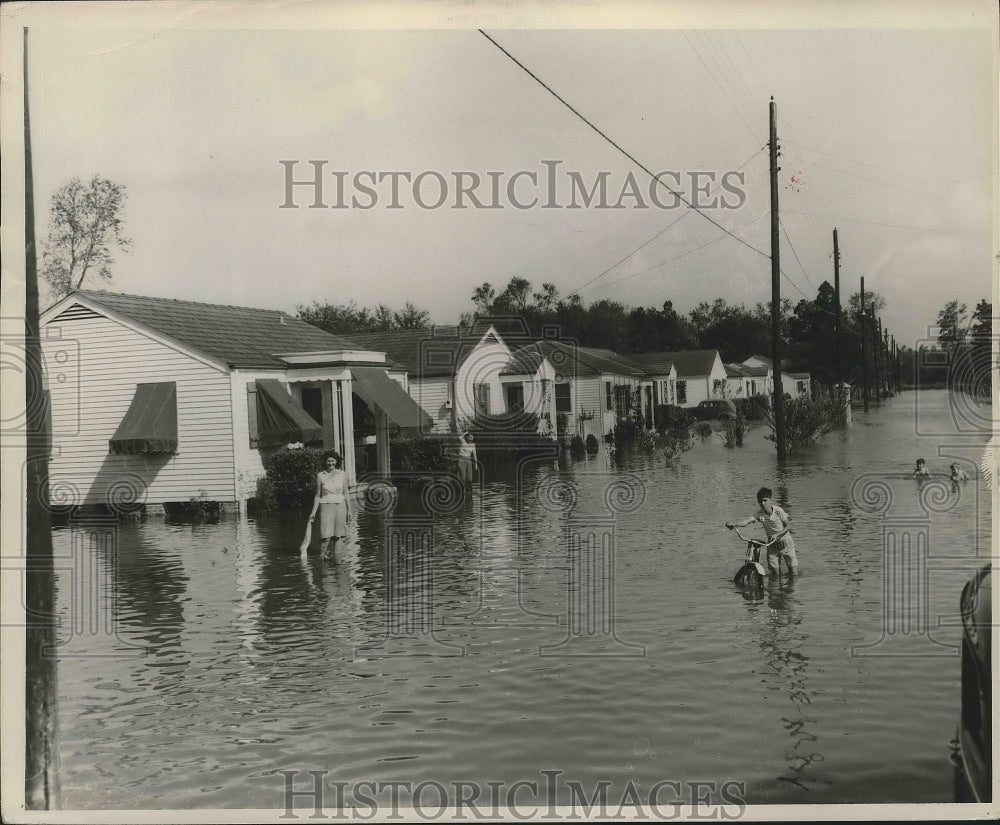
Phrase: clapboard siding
(92,369)
(432,396)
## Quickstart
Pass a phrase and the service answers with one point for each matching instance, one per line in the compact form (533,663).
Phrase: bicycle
(752,573)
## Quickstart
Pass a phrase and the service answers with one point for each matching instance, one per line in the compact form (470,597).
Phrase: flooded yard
(465,639)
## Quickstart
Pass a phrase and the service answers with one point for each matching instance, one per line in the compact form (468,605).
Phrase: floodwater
(480,647)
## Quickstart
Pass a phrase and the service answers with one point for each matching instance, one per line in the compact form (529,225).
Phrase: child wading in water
(775,522)
(921,471)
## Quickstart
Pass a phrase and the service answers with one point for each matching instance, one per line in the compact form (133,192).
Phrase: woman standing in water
(333,502)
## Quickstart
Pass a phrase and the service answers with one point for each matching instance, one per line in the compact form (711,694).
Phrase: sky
(887,134)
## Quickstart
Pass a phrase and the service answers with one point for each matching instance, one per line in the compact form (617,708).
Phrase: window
(481,394)
(608,405)
(682,392)
(515,397)
(312,402)
(800,387)
(623,400)
(563,401)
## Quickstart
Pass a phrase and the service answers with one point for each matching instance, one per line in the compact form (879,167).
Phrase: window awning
(394,401)
(280,420)
(150,425)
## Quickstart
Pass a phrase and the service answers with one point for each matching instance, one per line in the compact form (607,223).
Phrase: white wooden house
(745,381)
(458,373)
(160,400)
(594,388)
(659,383)
(795,384)
(700,375)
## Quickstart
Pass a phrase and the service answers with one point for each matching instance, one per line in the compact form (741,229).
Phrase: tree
(483,297)
(982,323)
(85,226)
(411,317)
(343,319)
(951,320)
(874,304)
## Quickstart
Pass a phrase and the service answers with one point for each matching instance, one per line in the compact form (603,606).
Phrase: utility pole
(864,347)
(779,395)
(895,365)
(41,780)
(876,343)
(888,362)
(836,317)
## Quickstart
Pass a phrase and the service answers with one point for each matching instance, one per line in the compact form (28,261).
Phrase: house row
(159,400)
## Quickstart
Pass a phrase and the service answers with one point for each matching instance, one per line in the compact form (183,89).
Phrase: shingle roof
(653,363)
(238,336)
(692,362)
(762,358)
(734,370)
(797,374)
(572,360)
(425,353)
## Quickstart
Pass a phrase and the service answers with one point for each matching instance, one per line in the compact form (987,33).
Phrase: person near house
(466,459)
(921,471)
(332,502)
(775,522)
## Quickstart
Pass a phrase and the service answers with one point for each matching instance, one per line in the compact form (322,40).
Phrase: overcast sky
(886,134)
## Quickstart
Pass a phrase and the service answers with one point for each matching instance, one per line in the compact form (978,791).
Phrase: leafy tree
(547,299)
(874,304)
(411,317)
(951,320)
(982,323)
(85,226)
(483,297)
(732,329)
(343,319)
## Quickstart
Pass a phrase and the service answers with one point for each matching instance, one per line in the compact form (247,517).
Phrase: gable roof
(692,362)
(237,336)
(653,363)
(742,370)
(572,360)
(523,362)
(425,353)
(763,359)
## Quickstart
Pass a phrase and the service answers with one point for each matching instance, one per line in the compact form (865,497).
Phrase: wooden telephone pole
(836,317)
(864,347)
(41,786)
(780,438)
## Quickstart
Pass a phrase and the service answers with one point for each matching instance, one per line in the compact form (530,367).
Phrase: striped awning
(280,420)
(375,385)
(150,425)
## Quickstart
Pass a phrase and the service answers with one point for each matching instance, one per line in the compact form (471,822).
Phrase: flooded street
(481,649)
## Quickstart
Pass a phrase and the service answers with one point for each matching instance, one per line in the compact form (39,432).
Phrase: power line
(658,234)
(866,177)
(658,180)
(781,223)
(869,165)
(879,223)
(671,260)
(719,85)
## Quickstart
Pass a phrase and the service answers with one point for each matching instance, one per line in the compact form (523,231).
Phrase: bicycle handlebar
(762,544)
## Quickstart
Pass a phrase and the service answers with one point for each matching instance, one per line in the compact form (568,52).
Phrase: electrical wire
(658,180)
(668,226)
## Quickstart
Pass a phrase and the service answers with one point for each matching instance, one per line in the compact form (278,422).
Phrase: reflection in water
(261,660)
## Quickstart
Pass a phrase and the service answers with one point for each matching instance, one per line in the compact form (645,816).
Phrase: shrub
(806,420)
(624,430)
(592,444)
(430,455)
(576,446)
(703,428)
(735,429)
(291,475)
(668,417)
(754,408)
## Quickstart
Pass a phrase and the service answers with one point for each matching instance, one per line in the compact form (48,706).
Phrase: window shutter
(252,411)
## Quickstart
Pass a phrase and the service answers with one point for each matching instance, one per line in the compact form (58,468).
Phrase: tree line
(86,226)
